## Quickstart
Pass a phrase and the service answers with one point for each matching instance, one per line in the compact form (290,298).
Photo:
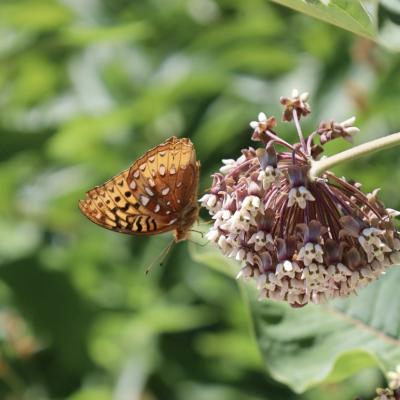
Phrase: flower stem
(299,132)
(278,140)
(319,167)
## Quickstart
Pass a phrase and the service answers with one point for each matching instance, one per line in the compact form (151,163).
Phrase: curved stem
(309,142)
(319,167)
(282,142)
(278,139)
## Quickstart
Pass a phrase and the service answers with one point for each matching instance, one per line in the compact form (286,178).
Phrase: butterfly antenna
(201,233)
(161,257)
(199,244)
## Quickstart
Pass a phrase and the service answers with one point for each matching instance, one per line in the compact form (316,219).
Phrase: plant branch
(319,167)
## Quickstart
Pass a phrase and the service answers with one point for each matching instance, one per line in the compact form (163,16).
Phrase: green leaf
(303,347)
(359,17)
(347,14)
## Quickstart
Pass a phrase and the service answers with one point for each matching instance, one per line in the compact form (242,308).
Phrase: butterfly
(157,194)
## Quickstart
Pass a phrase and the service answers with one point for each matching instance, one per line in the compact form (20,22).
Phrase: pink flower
(302,240)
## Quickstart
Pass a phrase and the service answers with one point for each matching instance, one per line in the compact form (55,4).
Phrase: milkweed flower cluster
(302,239)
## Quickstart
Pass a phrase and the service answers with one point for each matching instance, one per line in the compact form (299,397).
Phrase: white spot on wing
(172,221)
(136,174)
(161,169)
(133,185)
(149,191)
(165,191)
(144,200)
(157,208)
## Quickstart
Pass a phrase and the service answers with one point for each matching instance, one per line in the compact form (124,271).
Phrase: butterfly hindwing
(113,206)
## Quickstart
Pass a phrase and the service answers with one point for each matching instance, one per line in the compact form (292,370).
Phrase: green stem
(319,167)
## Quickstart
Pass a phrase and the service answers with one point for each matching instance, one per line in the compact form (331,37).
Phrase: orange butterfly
(157,194)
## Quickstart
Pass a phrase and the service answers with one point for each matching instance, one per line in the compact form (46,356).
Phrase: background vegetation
(88,86)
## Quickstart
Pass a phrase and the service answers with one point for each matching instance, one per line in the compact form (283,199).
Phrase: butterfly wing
(150,197)
(113,207)
(165,179)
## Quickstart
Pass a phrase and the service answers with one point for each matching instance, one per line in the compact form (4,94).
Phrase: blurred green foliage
(88,86)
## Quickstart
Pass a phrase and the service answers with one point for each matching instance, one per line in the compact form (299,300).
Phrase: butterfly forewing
(152,196)
(159,177)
